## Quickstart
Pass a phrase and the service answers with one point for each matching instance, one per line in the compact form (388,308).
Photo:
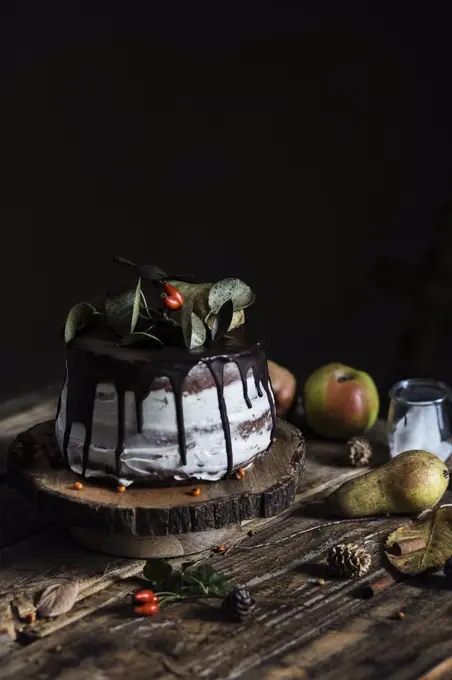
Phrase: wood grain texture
(268,488)
(300,629)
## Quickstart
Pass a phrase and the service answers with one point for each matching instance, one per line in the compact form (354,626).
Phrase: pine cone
(359,451)
(349,560)
(448,569)
(238,603)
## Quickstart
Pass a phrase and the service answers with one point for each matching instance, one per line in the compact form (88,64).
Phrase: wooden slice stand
(161,521)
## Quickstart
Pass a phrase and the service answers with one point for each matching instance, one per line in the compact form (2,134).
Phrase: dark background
(289,144)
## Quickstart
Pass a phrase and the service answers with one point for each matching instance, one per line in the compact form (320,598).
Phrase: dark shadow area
(287,144)
(317,570)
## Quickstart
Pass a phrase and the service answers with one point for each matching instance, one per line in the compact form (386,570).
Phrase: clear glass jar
(419,417)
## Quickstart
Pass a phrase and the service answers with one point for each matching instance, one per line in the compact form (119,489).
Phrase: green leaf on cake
(77,319)
(186,322)
(136,306)
(118,310)
(193,329)
(230,289)
(198,293)
(422,544)
(238,319)
(199,333)
(222,320)
(151,272)
(140,338)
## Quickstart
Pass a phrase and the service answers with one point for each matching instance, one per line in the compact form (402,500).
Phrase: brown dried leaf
(434,527)
(57,599)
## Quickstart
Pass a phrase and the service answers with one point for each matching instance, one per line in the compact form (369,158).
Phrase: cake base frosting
(148,415)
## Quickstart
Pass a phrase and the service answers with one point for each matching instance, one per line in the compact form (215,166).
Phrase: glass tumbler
(419,417)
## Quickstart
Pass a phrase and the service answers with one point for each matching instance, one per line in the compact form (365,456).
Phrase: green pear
(411,482)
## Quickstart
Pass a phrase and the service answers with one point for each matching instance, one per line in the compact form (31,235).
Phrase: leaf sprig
(209,312)
(188,582)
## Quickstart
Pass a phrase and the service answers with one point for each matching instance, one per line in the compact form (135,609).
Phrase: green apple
(340,401)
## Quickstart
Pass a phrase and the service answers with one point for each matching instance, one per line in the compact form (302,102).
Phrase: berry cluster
(147,603)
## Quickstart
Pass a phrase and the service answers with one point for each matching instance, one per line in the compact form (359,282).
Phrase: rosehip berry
(147,609)
(196,492)
(121,488)
(144,596)
(173,297)
(78,486)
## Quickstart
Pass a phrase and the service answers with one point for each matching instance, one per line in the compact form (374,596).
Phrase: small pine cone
(238,603)
(359,451)
(448,569)
(349,560)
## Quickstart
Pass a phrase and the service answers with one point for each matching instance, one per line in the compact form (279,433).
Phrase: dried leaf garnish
(230,289)
(222,320)
(57,599)
(433,529)
(77,318)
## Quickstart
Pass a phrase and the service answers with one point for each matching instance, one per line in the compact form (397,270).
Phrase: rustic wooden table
(299,629)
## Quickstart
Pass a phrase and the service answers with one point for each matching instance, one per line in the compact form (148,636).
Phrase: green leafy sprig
(209,312)
(188,582)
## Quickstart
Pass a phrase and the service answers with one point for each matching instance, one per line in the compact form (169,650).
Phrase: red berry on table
(147,609)
(144,596)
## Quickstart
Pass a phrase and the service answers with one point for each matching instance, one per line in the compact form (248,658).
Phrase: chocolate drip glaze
(244,367)
(139,412)
(217,370)
(121,433)
(176,384)
(92,360)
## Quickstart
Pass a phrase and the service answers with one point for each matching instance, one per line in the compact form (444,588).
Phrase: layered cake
(164,383)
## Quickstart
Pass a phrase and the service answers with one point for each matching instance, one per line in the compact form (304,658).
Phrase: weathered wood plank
(23,412)
(292,607)
(300,629)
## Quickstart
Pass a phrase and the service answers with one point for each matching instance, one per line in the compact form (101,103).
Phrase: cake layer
(143,415)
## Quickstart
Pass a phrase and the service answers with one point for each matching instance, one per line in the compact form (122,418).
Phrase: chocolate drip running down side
(92,362)
(216,368)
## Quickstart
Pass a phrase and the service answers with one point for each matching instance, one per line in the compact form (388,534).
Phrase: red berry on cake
(173,297)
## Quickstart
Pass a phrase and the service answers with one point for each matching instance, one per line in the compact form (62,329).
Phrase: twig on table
(306,531)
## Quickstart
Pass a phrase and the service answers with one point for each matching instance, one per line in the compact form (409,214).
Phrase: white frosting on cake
(156,448)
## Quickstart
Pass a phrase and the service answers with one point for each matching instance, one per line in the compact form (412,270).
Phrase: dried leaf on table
(57,599)
(430,533)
